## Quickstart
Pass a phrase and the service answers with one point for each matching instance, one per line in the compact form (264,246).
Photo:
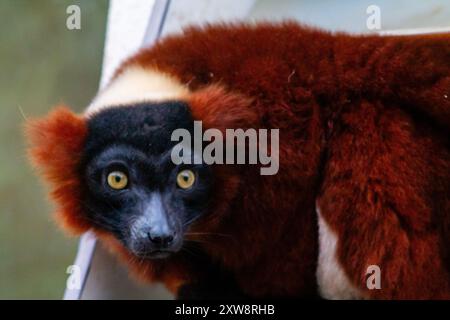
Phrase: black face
(133,188)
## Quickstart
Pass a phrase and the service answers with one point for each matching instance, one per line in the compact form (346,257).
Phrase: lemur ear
(55,148)
(220,109)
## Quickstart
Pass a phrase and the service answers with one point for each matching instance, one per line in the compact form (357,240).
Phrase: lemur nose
(161,240)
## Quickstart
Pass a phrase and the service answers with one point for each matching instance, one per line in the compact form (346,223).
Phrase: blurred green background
(42,63)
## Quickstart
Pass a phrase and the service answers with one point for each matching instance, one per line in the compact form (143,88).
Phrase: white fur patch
(135,85)
(332,280)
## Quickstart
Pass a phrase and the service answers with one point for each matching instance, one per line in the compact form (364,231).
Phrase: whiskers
(190,221)
(191,247)
(101,219)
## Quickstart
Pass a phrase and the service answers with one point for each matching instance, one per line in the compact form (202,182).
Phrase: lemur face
(133,189)
(110,170)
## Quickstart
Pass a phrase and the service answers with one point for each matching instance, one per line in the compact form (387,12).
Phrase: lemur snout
(162,240)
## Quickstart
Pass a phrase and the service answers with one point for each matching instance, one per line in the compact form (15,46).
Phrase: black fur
(146,126)
(136,140)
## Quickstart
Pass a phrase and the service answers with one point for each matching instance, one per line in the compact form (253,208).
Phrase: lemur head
(133,188)
(111,171)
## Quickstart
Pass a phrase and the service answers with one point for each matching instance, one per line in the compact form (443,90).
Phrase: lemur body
(364,172)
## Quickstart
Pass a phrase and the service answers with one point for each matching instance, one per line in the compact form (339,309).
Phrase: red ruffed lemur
(364,164)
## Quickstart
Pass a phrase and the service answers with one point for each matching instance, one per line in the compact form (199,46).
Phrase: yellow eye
(185,179)
(117,180)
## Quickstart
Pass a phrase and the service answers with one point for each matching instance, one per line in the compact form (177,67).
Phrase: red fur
(389,201)
(364,124)
(239,113)
(57,143)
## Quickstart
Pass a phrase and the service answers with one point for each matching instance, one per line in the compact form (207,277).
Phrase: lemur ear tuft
(220,109)
(55,149)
